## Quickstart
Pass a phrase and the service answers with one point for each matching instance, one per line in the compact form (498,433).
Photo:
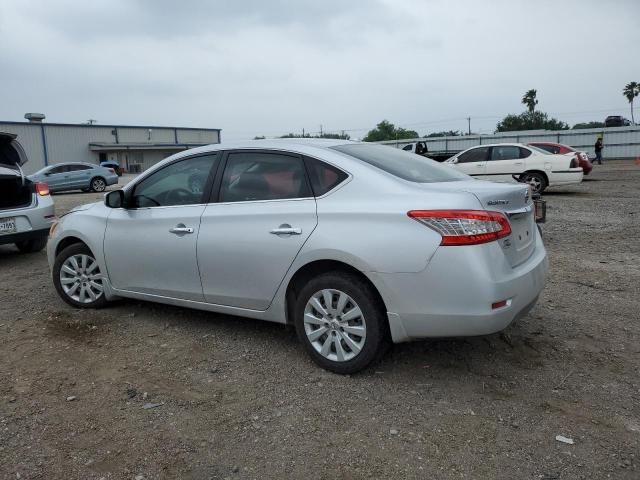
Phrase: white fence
(619,142)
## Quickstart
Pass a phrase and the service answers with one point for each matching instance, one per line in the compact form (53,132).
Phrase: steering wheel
(178,195)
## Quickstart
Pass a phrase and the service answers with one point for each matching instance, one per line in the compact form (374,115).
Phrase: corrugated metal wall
(619,142)
(70,143)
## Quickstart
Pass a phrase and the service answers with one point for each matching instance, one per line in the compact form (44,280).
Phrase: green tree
(631,91)
(445,133)
(530,121)
(386,130)
(578,126)
(529,99)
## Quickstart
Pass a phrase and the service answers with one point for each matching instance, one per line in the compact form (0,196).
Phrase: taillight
(111,170)
(464,227)
(42,189)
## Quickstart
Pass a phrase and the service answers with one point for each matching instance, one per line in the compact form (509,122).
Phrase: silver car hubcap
(81,279)
(98,185)
(335,325)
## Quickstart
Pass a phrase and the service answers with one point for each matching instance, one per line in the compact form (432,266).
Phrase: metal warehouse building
(135,148)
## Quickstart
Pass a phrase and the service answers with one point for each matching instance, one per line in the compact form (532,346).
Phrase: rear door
(79,175)
(474,161)
(254,228)
(505,161)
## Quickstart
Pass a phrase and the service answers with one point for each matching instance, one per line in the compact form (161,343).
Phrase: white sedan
(499,162)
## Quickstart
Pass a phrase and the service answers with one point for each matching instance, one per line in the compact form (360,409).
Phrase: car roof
(499,145)
(63,164)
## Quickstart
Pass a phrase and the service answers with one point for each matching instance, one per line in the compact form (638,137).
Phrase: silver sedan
(357,245)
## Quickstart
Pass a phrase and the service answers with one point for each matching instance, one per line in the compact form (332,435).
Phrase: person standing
(598,148)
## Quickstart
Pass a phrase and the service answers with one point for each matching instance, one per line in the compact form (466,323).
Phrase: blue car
(76,176)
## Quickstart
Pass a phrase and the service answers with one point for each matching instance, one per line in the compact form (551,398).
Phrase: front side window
(323,177)
(180,183)
(59,169)
(407,148)
(505,152)
(251,176)
(77,168)
(474,155)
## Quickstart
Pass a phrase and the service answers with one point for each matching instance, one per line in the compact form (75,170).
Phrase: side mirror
(114,199)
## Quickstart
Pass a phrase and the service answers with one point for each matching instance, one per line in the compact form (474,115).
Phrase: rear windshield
(407,166)
(539,150)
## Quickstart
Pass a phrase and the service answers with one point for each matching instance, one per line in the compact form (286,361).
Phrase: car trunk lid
(514,200)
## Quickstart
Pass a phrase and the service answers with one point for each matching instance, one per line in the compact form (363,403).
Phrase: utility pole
(302,132)
(320,130)
(469,120)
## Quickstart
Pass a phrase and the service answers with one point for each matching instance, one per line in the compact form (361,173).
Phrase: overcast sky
(271,67)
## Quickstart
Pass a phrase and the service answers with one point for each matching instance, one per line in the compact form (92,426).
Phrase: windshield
(405,165)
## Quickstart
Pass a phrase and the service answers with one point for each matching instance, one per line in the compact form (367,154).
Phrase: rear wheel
(536,180)
(77,277)
(341,322)
(33,245)
(98,184)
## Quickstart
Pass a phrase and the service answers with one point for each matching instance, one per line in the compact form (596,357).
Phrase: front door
(473,162)
(251,236)
(56,177)
(150,247)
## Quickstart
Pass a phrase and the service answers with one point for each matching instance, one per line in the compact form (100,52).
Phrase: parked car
(560,149)
(616,121)
(112,165)
(76,176)
(421,148)
(26,208)
(355,244)
(499,162)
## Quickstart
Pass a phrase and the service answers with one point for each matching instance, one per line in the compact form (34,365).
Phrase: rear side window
(524,153)
(251,176)
(323,177)
(407,166)
(506,152)
(474,155)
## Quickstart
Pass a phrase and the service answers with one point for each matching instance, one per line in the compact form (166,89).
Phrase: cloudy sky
(269,67)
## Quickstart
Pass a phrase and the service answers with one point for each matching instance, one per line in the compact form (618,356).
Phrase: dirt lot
(240,399)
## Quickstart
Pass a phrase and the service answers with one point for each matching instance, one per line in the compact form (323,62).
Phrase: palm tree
(530,100)
(631,91)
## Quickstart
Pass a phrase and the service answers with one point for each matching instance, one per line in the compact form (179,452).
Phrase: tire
(84,278)
(98,184)
(537,181)
(357,351)
(32,246)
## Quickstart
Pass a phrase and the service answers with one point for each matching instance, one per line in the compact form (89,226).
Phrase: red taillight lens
(111,170)
(42,189)
(464,227)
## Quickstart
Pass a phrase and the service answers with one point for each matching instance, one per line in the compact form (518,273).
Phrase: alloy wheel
(535,183)
(335,325)
(98,185)
(81,279)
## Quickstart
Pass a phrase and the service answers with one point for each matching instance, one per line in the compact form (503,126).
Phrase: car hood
(11,153)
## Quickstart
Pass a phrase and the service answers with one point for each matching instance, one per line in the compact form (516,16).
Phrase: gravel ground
(139,390)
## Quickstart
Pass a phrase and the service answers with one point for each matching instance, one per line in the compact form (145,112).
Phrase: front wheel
(341,322)
(77,277)
(537,181)
(98,184)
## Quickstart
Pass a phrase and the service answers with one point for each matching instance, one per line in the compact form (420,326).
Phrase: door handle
(286,229)
(517,163)
(181,229)
(479,165)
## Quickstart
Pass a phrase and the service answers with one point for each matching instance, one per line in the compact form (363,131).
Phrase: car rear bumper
(33,221)
(453,296)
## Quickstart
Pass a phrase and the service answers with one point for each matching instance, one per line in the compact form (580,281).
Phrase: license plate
(541,210)
(8,225)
